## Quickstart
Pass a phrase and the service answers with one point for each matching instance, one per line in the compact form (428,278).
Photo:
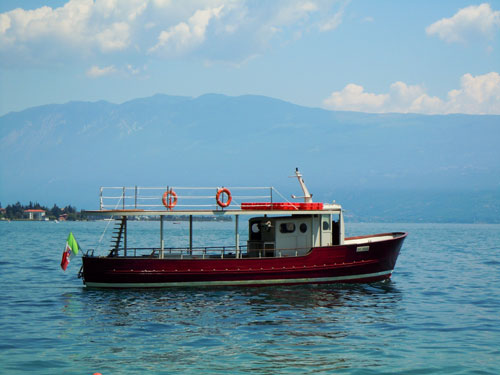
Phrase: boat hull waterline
(361,261)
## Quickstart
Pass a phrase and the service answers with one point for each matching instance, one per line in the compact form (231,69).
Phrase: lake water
(440,313)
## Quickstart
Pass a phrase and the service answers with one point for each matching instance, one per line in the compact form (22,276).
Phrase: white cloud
(133,70)
(466,24)
(217,30)
(4,23)
(476,95)
(332,23)
(479,94)
(293,11)
(185,36)
(125,70)
(354,98)
(96,72)
(47,35)
(115,37)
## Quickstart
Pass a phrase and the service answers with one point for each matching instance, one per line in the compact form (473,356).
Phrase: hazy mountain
(63,153)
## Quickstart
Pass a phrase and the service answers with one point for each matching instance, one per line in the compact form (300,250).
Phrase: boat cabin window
(287,227)
(326,225)
(255,233)
(281,236)
(255,228)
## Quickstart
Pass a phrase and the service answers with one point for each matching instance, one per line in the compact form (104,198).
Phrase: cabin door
(293,236)
(326,230)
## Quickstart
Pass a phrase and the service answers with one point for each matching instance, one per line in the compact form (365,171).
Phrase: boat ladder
(120,231)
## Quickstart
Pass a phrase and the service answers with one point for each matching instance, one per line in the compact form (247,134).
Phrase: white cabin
(293,235)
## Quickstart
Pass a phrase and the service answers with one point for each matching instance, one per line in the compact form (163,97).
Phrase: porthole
(255,228)
(303,227)
(326,225)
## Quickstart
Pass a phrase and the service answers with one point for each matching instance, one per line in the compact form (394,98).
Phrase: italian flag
(70,250)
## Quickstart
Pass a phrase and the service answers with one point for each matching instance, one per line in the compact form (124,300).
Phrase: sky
(427,56)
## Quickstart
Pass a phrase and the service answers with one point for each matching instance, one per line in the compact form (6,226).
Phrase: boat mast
(307,196)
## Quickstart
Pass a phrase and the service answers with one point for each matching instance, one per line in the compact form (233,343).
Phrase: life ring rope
(219,196)
(169,199)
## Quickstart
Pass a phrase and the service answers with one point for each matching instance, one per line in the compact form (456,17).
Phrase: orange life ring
(218,196)
(169,199)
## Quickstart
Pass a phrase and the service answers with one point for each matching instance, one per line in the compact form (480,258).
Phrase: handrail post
(100,198)
(162,243)
(125,237)
(191,234)
(123,197)
(135,201)
(237,236)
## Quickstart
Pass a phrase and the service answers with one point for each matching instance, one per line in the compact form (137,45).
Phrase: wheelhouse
(293,235)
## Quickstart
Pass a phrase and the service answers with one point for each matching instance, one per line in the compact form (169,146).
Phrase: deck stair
(118,234)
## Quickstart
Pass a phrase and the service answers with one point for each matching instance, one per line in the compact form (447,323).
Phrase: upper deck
(203,201)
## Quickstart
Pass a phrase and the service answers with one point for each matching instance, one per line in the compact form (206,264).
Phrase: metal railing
(184,252)
(214,252)
(187,198)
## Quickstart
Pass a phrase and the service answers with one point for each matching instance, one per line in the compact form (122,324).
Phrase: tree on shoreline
(16,211)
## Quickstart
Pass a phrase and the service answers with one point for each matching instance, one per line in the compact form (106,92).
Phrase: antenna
(307,196)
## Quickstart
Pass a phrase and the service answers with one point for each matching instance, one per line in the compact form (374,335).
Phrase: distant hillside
(64,152)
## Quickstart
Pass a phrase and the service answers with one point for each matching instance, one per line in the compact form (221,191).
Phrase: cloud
(185,36)
(4,23)
(95,71)
(354,98)
(476,95)
(479,94)
(130,69)
(332,23)
(78,29)
(467,23)
(115,37)
(216,30)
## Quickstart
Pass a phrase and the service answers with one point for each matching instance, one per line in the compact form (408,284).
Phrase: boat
(288,242)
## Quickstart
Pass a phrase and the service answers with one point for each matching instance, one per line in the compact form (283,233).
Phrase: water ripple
(439,314)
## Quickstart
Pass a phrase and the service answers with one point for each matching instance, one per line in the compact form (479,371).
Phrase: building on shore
(35,214)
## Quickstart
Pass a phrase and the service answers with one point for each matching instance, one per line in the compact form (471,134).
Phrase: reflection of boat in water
(288,243)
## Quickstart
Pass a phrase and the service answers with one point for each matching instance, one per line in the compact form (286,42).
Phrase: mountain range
(387,166)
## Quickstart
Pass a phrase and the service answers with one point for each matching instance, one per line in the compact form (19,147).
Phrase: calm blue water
(440,314)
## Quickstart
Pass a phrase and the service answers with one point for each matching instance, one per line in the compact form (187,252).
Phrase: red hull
(332,264)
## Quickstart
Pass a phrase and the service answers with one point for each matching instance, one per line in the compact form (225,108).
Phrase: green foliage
(16,211)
